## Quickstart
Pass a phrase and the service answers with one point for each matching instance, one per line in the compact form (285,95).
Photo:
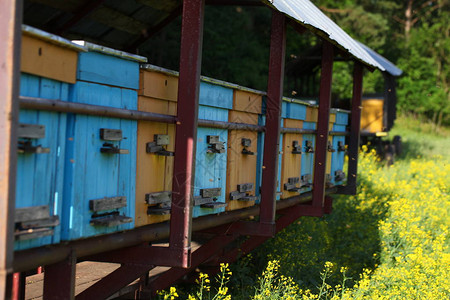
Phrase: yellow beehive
(157,94)
(242,151)
(372,115)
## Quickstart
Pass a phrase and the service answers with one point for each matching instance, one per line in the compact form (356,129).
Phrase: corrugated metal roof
(305,12)
(389,67)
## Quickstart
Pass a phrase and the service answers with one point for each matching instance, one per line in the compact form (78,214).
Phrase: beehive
(211,153)
(155,146)
(100,173)
(308,145)
(292,150)
(337,173)
(242,150)
(48,64)
(372,115)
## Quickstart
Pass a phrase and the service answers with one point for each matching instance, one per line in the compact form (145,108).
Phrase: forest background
(413,34)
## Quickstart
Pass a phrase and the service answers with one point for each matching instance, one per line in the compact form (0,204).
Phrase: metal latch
(161,203)
(296,147)
(208,198)
(339,175)
(291,185)
(328,182)
(215,145)
(309,147)
(243,193)
(29,132)
(157,146)
(305,181)
(109,219)
(341,146)
(246,143)
(34,222)
(330,147)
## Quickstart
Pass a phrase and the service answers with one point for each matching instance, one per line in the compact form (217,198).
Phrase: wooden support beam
(320,155)
(186,137)
(10,37)
(355,125)
(59,279)
(273,119)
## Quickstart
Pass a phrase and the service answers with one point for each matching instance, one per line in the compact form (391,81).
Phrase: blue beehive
(48,66)
(308,145)
(211,154)
(337,158)
(100,164)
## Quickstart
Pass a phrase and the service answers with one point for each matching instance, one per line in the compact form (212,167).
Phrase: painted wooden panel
(338,158)
(296,111)
(106,69)
(157,106)
(40,176)
(291,162)
(259,157)
(210,168)
(91,174)
(372,115)
(342,118)
(215,96)
(241,168)
(248,102)
(48,60)
(158,85)
(307,166)
(312,114)
(330,151)
(154,171)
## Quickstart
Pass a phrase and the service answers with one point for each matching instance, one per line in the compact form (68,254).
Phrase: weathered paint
(90,174)
(158,94)
(307,166)
(106,69)
(210,168)
(241,167)
(40,176)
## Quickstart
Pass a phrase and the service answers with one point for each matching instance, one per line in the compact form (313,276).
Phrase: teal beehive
(100,163)
(211,152)
(48,65)
(337,159)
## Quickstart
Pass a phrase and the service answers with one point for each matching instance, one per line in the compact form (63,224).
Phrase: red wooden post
(355,125)
(59,279)
(273,119)
(186,131)
(322,125)
(10,34)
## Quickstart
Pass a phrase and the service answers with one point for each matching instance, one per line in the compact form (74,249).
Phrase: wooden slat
(32,213)
(158,85)
(107,203)
(247,102)
(48,60)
